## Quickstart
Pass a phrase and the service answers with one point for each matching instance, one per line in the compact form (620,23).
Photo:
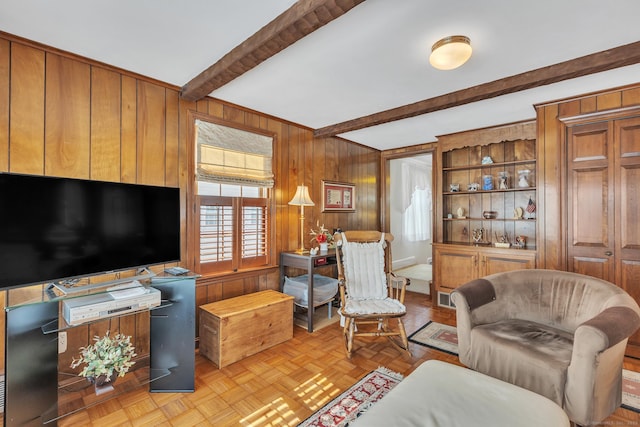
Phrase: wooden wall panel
(631,97)
(67,117)
(128,131)
(105,125)
(151,134)
(26,128)
(172,134)
(5,54)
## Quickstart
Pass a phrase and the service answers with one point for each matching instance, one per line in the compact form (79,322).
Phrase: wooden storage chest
(235,328)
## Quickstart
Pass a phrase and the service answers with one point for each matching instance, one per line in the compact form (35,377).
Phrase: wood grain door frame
(566,124)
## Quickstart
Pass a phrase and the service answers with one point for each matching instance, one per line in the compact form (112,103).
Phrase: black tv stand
(32,329)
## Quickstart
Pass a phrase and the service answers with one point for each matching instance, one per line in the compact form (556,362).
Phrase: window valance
(233,156)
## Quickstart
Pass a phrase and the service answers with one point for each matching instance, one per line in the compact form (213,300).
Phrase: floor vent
(444,300)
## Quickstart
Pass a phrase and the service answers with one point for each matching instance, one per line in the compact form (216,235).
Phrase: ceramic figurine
(523,180)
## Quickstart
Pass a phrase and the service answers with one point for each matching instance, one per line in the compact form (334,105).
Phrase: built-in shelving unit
(464,210)
(486,180)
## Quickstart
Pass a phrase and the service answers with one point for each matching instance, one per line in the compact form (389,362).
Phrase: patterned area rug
(631,390)
(444,338)
(349,405)
(438,336)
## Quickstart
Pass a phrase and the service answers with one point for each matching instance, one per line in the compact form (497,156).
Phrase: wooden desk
(309,263)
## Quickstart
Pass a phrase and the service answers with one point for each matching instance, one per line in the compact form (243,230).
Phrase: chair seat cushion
(528,354)
(373,306)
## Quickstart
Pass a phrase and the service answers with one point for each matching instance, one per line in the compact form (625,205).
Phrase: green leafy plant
(106,356)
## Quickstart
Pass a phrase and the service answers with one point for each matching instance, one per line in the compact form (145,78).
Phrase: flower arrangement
(106,357)
(322,235)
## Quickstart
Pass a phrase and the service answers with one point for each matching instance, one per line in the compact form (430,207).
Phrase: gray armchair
(562,335)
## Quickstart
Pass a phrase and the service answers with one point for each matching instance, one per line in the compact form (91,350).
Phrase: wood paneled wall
(551,181)
(64,115)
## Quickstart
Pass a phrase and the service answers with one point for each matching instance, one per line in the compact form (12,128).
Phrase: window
(234,230)
(416,200)
(232,198)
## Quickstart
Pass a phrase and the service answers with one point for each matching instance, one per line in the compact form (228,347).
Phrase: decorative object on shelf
(323,237)
(338,197)
(106,359)
(502,241)
(454,188)
(489,214)
(450,52)
(503,178)
(487,182)
(478,235)
(523,178)
(520,242)
(487,160)
(518,213)
(302,199)
(460,213)
(474,186)
(531,209)
(449,216)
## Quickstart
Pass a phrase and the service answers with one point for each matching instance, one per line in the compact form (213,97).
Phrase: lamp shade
(450,52)
(302,198)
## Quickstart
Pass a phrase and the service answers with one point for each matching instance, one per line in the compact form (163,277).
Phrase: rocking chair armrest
(398,286)
(343,291)
(399,279)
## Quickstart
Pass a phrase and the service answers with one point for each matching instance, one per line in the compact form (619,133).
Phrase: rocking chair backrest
(364,269)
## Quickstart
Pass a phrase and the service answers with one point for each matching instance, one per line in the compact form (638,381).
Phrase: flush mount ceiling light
(450,52)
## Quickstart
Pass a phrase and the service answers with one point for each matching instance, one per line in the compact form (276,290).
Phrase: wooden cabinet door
(455,266)
(497,263)
(590,200)
(603,205)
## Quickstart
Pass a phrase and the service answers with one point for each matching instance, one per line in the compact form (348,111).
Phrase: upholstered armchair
(562,335)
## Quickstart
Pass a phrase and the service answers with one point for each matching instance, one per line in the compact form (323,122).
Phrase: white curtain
(416,202)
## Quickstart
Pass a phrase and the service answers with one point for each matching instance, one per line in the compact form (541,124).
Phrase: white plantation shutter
(234,233)
(254,229)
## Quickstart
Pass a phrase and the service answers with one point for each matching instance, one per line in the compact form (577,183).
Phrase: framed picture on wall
(338,197)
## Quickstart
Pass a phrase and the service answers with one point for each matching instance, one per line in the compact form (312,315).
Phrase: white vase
(324,247)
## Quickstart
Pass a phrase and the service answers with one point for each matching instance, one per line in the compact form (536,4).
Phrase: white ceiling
(373,58)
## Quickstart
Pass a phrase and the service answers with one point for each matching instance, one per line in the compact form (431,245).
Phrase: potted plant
(106,359)
(322,236)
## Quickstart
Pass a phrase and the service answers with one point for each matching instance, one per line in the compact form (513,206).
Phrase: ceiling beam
(300,20)
(595,63)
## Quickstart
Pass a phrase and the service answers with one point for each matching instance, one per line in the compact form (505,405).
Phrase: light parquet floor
(283,385)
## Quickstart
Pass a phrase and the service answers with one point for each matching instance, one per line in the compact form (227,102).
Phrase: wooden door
(627,212)
(590,200)
(603,205)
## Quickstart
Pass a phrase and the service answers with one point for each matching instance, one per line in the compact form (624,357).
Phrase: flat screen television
(53,229)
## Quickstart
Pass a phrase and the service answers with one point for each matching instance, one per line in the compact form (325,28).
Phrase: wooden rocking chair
(370,294)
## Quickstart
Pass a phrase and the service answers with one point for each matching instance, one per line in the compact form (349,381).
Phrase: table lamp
(302,199)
